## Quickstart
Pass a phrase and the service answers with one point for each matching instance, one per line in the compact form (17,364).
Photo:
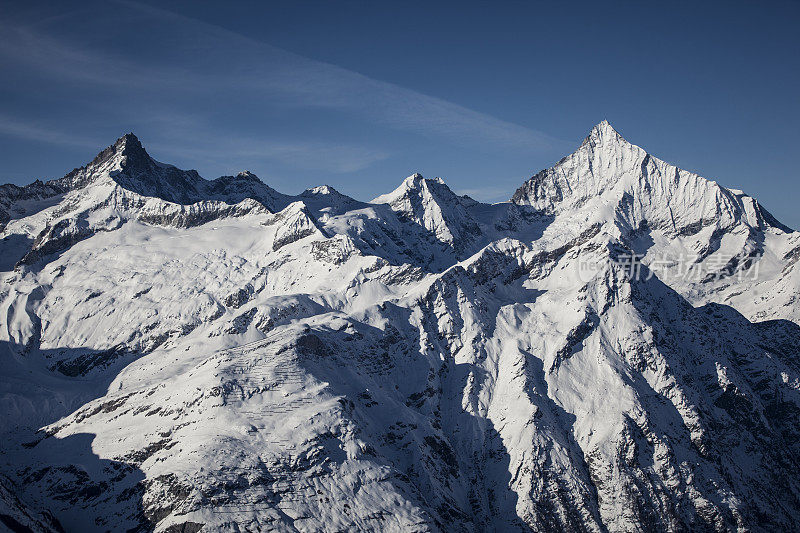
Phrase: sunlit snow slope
(184,355)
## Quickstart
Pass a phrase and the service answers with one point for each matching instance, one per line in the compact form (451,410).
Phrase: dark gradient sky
(361,94)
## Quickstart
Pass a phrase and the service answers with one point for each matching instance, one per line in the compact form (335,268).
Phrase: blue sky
(361,94)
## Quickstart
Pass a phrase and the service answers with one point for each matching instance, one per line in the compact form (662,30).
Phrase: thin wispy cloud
(32,132)
(322,84)
(213,59)
(335,158)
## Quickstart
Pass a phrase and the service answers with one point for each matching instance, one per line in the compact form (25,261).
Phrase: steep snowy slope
(186,355)
(431,204)
(704,238)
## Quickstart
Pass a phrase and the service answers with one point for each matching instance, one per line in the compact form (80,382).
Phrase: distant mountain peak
(605,134)
(247,175)
(604,126)
(416,179)
(128,147)
(416,185)
(413,181)
(434,206)
(129,140)
(321,190)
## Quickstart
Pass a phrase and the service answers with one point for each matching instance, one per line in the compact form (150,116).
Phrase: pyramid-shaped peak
(129,138)
(414,184)
(128,146)
(604,135)
(604,130)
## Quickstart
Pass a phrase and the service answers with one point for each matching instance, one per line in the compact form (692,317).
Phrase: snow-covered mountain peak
(415,184)
(417,180)
(247,175)
(327,201)
(321,190)
(604,132)
(434,206)
(127,164)
(416,177)
(611,179)
(606,142)
(189,355)
(234,189)
(128,149)
(126,154)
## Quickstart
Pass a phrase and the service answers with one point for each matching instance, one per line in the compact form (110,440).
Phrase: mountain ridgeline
(616,348)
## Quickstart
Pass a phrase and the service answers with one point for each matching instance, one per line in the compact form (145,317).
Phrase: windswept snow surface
(615,349)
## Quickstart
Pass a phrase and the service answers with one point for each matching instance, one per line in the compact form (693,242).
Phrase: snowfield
(186,355)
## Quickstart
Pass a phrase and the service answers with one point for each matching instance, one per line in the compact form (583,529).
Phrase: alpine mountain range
(183,355)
